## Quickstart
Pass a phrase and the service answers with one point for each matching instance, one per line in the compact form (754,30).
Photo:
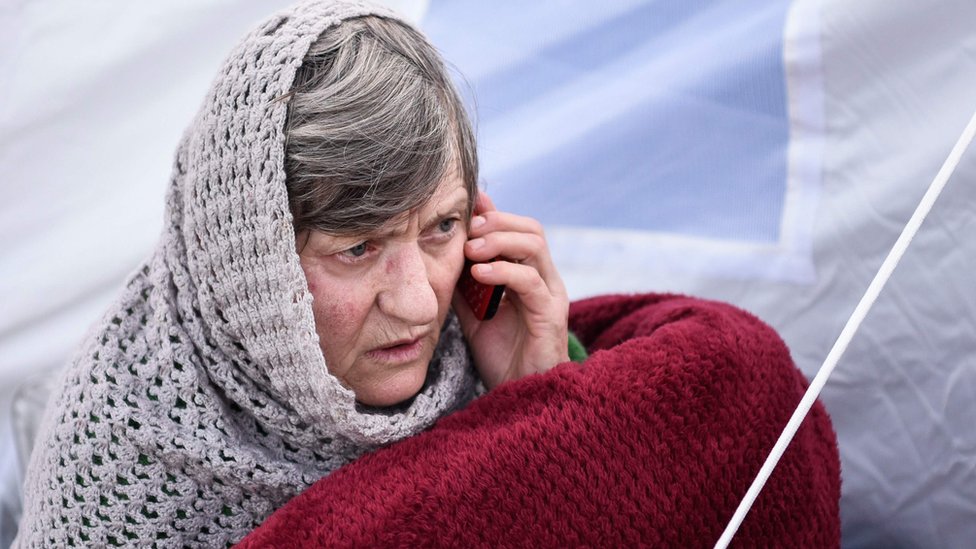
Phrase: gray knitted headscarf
(202,402)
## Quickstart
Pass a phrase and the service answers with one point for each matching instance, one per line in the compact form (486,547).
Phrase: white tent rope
(853,323)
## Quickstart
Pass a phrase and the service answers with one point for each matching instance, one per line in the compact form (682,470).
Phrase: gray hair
(374,125)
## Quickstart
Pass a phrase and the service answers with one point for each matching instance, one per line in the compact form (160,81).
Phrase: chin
(402,385)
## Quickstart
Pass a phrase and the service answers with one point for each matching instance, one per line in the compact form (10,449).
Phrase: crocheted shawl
(202,402)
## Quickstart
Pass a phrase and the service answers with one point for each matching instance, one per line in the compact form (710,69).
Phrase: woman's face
(380,299)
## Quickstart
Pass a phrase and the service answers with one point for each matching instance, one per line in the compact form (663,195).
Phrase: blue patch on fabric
(662,116)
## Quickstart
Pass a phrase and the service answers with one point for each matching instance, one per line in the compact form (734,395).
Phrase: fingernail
(477,221)
(483,268)
(476,243)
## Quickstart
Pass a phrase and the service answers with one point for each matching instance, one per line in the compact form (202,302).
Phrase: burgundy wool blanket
(651,442)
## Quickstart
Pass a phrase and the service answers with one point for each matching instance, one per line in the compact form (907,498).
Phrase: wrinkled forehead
(451,190)
(451,197)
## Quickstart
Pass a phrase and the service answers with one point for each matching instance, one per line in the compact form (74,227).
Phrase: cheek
(337,315)
(340,308)
(445,273)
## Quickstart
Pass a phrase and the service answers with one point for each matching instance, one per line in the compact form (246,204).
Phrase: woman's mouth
(398,352)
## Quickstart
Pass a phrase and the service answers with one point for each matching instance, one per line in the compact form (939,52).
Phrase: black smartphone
(482,298)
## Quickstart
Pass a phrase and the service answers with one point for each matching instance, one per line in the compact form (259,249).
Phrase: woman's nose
(408,296)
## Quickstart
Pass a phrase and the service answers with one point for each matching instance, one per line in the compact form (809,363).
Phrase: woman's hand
(529,332)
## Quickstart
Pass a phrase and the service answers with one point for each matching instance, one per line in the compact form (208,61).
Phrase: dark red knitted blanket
(651,442)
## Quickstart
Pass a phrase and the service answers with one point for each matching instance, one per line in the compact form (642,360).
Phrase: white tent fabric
(763,152)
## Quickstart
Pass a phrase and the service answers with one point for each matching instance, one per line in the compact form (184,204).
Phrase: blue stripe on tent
(663,116)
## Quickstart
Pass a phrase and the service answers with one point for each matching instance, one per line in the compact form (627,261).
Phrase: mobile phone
(482,298)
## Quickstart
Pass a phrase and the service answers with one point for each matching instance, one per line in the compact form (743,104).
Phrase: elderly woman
(300,308)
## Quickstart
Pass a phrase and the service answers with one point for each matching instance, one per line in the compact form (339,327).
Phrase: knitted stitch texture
(201,402)
(649,443)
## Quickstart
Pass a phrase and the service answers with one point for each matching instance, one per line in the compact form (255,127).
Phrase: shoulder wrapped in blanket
(651,442)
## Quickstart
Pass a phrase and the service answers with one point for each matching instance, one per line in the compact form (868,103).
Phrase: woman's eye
(447,225)
(358,250)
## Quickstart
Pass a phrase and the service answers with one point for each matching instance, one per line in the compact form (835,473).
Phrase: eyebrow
(459,206)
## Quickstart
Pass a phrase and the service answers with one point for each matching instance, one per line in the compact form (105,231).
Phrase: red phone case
(482,298)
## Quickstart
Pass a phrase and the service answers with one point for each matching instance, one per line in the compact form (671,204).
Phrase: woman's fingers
(525,281)
(525,248)
(517,247)
(506,236)
(512,239)
(503,221)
